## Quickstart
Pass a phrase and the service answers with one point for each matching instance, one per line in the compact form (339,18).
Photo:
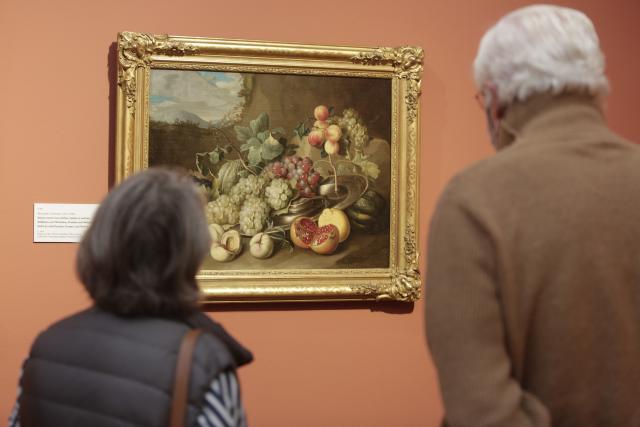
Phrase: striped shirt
(222,406)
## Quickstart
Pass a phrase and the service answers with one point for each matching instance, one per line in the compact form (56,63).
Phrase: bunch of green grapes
(251,185)
(254,215)
(224,210)
(278,193)
(354,128)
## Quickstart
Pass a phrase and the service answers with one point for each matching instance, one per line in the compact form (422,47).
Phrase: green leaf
(204,163)
(254,156)
(278,131)
(254,142)
(263,135)
(370,169)
(301,130)
(271,151)
(260,124)
(198,166)
(214,157)
(345,168)
(243,133)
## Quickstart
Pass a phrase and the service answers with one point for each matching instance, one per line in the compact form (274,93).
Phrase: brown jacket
(533,276)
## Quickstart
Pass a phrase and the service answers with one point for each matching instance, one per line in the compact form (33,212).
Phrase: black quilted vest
(95,369)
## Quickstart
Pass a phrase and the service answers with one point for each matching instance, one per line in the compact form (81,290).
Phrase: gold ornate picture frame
(274,132)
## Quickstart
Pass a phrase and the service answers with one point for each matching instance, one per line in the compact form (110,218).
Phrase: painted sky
(181,94)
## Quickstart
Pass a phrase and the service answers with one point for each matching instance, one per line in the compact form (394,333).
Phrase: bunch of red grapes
(300,174)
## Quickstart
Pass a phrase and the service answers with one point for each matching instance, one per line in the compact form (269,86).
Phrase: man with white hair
(533,272)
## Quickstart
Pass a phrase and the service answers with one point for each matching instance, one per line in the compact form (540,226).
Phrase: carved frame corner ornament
(135,50)
(407,62)
(139,54)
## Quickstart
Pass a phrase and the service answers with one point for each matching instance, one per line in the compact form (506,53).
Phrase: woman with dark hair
(114,363)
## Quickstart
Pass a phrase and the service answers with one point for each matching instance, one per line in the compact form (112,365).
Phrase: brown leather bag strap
(181,383)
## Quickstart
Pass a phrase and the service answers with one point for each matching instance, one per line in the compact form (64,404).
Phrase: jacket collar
(551,117)
(240,354)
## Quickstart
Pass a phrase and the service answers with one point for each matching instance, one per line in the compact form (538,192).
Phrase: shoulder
(212,354)
(477,195)
(69,320)
(94,323)
(495,167)
(58,328)
(492,181)
(472,182)
(140,335)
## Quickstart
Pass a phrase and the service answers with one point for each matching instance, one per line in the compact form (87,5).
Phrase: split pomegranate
(302,231)
(338,218)
(326,239)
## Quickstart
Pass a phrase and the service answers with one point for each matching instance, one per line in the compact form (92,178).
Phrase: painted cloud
(203,97)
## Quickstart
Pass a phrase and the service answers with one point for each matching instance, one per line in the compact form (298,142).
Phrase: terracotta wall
(345,365)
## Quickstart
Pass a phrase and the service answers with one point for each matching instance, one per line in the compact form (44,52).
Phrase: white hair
(539,49)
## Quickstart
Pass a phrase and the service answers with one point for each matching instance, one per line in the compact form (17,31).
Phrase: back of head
(145,245)
(541,49)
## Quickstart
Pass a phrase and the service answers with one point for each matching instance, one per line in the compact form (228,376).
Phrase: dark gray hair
(145,245)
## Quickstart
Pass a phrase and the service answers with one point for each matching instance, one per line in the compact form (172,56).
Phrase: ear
(496,111)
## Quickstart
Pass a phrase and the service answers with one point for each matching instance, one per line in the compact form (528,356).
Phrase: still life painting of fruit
(295,169)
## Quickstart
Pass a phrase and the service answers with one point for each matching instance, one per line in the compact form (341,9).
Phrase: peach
(321,113)
(316,138)
(319,124)
(331,147)
(261,245)
(333,133)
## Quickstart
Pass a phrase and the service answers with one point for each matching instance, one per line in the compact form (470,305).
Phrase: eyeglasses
(485,95)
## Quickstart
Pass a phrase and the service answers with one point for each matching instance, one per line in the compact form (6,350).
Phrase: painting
(308,171)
